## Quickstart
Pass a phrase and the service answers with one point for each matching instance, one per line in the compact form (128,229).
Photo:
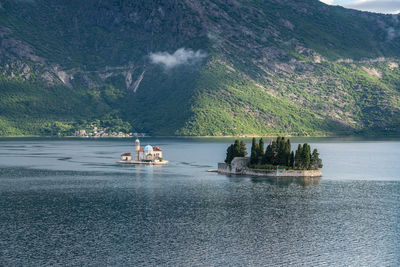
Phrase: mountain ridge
(267,67)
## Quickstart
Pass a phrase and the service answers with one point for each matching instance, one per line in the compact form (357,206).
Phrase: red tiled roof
(126,154)
(156,148)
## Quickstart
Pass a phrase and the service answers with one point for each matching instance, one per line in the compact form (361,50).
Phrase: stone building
(126,156)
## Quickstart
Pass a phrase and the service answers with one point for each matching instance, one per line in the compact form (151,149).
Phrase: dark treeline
(277,153)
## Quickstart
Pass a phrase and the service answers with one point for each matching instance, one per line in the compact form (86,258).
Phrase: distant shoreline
(206,136)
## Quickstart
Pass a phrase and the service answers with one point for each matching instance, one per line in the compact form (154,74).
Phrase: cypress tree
(269,155)
(261,148)
(291,160)
(242,149)
(316,162)
(229,154)
(298,157)
(280,148)
(279,140)
(254,152)
(253,157)
(253,143)
(306,156)
(274,149)
(287,152)
(236,148)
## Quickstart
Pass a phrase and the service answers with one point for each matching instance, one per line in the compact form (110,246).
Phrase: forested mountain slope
(213,67)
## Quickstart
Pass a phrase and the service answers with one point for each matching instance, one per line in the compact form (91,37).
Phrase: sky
(379,6)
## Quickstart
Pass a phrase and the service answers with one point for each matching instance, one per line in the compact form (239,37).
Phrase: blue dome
(148,148)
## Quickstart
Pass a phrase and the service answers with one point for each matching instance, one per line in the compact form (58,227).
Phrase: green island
(276,160)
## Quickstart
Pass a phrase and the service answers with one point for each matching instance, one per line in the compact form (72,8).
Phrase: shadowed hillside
(198,67)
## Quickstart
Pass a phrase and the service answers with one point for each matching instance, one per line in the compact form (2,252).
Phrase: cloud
(329,2)
(182,56)
(392,33)
(380,6)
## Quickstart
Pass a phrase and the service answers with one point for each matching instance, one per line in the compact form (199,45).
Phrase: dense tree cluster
(279,153)
(237,149)
(304,159)
(257,151)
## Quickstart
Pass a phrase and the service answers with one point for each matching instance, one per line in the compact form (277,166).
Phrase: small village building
(126,156)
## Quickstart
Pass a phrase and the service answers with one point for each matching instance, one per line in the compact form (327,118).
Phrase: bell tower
(137,148)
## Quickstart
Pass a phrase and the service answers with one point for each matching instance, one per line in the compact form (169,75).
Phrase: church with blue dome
(147,153)
(144,155)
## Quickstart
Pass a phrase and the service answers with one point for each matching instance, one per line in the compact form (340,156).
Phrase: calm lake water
(66,202)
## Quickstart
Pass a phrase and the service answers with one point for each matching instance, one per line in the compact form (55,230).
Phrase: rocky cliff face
(200,67)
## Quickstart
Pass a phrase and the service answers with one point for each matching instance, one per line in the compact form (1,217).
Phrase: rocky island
(276,161)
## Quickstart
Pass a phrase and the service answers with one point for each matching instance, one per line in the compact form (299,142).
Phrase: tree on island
(269,154)
(306,156)
(278,153)
(260,149)
(243,149)
(284,151)
(237,149)
(257,151)
(298,158)
(291,161)
(305,160)
(229,154)
(316,162)
(281,156)
(254,152)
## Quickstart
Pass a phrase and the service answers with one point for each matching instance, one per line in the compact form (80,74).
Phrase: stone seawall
(285,173)
(237,167)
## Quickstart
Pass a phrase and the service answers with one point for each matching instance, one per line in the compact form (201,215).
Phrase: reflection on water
(286,181)
(64,203)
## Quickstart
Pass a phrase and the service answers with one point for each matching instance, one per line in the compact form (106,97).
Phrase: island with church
(278,160)
(147,155)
